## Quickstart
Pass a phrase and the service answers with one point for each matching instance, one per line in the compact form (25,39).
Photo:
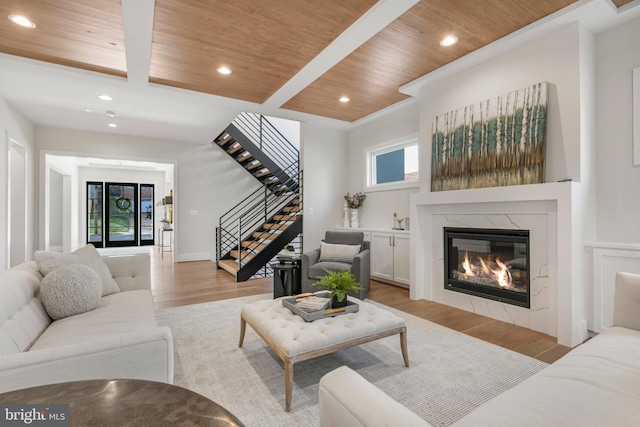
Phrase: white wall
(206,181)
(15,125)
(325,165)
(379,206)
(618,181)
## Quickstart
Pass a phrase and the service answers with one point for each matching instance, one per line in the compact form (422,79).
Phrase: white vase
(345,217)
(355,222)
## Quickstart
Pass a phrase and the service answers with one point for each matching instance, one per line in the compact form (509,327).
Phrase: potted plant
(339,283)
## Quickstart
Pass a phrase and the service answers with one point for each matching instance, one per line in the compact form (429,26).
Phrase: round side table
(126,403)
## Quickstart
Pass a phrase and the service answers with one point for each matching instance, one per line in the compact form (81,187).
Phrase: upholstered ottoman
(295,340)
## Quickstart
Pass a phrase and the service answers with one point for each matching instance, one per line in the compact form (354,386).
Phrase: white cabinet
(390,256)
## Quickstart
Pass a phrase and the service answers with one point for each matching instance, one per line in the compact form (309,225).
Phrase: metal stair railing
(249,216)
(265,136)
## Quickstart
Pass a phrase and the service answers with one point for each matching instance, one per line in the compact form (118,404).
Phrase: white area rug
(450,373)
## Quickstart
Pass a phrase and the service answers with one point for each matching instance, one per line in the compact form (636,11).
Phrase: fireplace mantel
(559,203)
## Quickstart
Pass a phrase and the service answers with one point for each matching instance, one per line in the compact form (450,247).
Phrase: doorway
(120,214)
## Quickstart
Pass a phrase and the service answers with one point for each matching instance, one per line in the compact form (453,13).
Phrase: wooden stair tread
(229,265)
(284,217)
(261,174)
(235,148)
(264,235)
(276,226)
(246,255)
(226,138)
(244,157)
(253,166)
(291,209)
(254,245)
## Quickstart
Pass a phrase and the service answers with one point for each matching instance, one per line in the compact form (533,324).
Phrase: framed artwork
(493,143)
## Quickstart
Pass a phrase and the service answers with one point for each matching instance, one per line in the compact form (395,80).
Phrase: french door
(120,214)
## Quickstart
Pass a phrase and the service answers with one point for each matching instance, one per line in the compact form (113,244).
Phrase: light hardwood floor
(196,282)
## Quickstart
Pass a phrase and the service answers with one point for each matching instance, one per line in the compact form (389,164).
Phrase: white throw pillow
(338,253)
(88,255)
(69,290)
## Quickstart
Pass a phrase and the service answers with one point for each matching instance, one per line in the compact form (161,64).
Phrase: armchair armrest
(141,355)
(308,259)
(361,268)
(626,305)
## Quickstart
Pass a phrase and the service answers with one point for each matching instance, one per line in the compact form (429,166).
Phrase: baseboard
(203,256)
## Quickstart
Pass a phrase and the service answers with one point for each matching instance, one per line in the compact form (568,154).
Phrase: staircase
(253,232)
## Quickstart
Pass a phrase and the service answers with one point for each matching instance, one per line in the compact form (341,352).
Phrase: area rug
(450,373)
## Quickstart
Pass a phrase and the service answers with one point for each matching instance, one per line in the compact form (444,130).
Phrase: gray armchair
(312,268)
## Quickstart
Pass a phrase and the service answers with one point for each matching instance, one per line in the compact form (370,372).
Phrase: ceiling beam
(375,19)
(137,24)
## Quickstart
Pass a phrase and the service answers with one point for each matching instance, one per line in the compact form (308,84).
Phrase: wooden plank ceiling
(267,43)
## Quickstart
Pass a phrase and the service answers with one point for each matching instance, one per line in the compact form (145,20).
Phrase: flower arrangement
(355,201)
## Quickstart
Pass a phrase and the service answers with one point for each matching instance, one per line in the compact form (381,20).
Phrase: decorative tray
(310,316)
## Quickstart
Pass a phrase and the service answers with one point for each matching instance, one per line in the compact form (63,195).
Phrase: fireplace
(488,263)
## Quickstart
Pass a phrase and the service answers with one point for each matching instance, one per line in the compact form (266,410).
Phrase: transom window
(393,165)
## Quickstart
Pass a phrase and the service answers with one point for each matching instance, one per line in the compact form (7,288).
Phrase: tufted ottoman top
(292,335)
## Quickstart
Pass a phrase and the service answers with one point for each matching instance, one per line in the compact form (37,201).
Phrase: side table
(286,277)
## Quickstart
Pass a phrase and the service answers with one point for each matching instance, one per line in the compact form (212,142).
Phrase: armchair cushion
(338,253)
(317,270)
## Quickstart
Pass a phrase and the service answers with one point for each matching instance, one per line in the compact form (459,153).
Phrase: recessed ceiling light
(448,41)
(88,110)
(22,21)
(224,70)
(113,125)
(110,113)
(105,97)
(344,99)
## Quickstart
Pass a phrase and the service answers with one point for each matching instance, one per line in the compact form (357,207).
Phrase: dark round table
(126,403)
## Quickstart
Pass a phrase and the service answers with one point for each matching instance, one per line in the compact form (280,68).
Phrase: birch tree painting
(494,143)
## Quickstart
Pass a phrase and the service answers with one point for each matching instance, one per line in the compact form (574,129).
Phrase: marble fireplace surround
(551,212)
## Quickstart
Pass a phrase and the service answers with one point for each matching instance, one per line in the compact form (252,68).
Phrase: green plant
(339,283)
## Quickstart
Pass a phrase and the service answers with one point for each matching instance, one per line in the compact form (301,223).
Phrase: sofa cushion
(22,315)
(317,270)
(116,314)
(69,290)
(338,253)
(88,255)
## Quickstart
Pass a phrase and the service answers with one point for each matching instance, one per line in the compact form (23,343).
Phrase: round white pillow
(69,290)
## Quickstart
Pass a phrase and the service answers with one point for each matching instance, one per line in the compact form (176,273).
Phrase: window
(393,165)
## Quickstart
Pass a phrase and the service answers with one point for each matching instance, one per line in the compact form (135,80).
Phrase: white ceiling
(57,96)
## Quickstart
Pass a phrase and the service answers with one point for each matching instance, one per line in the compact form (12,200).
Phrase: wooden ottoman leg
(288,383)
(403,345)
(243,328)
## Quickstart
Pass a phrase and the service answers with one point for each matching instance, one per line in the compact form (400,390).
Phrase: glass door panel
(121,223)
(146,214)
(94,213)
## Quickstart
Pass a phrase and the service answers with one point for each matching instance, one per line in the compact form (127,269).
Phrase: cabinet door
(401,255)
(382,255)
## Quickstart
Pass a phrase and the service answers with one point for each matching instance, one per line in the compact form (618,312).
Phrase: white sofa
(596,384)
(118,339)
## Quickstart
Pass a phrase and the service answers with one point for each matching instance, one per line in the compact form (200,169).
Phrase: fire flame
(501,275)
